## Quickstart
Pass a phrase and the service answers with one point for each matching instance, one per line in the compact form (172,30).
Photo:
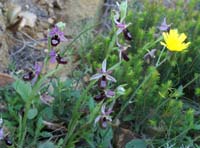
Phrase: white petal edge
(96,76)
(109,77)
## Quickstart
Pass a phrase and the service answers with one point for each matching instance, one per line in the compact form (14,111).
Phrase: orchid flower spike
(104,117)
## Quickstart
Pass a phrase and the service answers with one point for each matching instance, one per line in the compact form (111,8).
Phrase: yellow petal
(173,34)
(165,35)
(162,43)
(182,37)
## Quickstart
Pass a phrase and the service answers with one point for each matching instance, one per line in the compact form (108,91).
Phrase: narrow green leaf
(123,9)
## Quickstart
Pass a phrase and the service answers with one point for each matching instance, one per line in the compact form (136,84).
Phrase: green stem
(158,61)
(186,85)
(111,45)
(24,122)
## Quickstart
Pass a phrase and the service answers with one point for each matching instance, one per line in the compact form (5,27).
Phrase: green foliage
(158,107)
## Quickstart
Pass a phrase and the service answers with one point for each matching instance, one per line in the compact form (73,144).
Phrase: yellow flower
(174,41)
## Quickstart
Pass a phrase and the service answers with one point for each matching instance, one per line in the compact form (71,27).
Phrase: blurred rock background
(24,23)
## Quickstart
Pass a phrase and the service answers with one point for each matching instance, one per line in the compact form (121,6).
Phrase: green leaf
(136,143)
(123,9)
(91,104)
(32,113)
(196,127)
(46,134)
(23,89)
(60,143)
(107,136)
(47,145)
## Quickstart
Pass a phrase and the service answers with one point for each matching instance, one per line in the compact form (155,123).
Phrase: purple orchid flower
(104,118)
(103,75)
(52,55)
(104,72)
(109,93)
(56,36)
(164,26)
(56,31)
(122,27)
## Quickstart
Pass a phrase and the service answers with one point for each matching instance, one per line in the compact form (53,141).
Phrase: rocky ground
(24,24)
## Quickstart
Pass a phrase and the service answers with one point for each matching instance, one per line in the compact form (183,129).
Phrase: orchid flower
(164,26)
(56,31)
(103,73)
(104,117)
(109,93)
(122,26)
(56,36)
(123,52)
